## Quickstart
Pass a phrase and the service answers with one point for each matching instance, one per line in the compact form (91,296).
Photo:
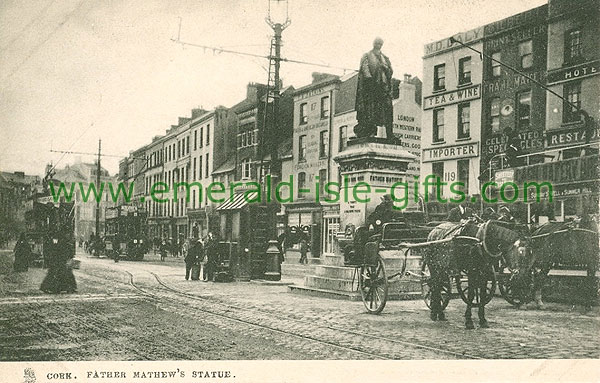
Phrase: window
(463,174)
(200,167)
(303,116)
(526,54)
(169,156)
(207,166)
(244,140)
(464,71)
(207,134)
(195,139)
(572,92)
(301,184)
(343,137)
(438,125)
(302,148)
(573,47)
(178,149)
(495,115)
(437,169)
(194,170)
(246,168)
(324,144)
(322,181)
(201,136)
(439,77)
(325,107)
(464,120)
(187,145)
(524,111)
(496,68)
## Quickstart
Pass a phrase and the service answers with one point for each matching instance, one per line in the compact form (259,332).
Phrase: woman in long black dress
(60,277)
(22,254)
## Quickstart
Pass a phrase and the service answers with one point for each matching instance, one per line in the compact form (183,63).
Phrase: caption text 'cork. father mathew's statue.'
(374,93)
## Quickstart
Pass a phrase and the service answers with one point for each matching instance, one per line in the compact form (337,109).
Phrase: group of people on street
(201,254)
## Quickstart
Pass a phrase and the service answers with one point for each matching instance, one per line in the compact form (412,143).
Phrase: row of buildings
(228,145)
(472,104)
(457,122)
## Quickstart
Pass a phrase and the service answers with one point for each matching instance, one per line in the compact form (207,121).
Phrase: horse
(571,244)
(472,247)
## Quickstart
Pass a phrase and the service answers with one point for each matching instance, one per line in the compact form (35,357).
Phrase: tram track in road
(312,326)
(373,344)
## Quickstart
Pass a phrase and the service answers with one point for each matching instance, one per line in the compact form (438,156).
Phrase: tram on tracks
(125,233)
(49,227)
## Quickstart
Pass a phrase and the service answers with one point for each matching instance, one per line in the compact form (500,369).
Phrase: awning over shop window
(239,201)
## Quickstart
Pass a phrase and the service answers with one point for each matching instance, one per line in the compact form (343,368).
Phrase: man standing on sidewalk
(303,250)
(210,249)
(191,258)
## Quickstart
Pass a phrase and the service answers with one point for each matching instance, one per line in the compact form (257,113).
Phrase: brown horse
(472,248)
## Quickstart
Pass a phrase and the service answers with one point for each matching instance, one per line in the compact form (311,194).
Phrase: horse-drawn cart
(466,252)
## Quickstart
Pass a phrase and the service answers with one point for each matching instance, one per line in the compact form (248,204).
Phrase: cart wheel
(516,287)
(373,286)
(426,287)
(462,285)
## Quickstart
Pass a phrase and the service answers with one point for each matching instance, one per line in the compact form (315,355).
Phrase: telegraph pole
(98,186)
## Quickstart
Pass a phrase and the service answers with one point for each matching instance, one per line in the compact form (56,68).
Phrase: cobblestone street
(147,311)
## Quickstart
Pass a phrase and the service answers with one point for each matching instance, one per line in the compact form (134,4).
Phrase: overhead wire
(36,48)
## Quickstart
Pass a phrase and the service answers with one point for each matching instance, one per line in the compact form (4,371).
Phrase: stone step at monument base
(403,285)
(296,269)
(351,296)
(332,260)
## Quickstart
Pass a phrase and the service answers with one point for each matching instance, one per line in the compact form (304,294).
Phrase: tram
(125,233)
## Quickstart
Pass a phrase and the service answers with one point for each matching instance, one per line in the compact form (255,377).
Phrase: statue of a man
(374,93)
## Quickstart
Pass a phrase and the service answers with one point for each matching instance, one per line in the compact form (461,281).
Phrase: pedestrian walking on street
(192,258)
(22,255)
(303,250)
(210,250)
(163,250)
(60,275)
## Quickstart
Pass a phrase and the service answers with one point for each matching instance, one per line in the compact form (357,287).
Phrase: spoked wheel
(373,286)
(426,287)
(462,285)
(516,287)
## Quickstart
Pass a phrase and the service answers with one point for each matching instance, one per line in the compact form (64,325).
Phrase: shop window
(524,110)
(464,120)
(437,169)
(438,125)
(526,54)
(439,77)
(464,71)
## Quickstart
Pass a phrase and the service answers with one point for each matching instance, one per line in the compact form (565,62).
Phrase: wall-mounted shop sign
(451,152)
(463,37)
(452,97)
(573,136)
(574,72)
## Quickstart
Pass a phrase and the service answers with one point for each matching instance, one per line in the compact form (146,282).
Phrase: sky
(76,71)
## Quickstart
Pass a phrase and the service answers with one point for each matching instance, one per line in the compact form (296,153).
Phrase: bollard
(272,265)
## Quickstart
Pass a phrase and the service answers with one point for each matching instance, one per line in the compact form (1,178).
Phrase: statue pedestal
(370,167)
(374,162)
